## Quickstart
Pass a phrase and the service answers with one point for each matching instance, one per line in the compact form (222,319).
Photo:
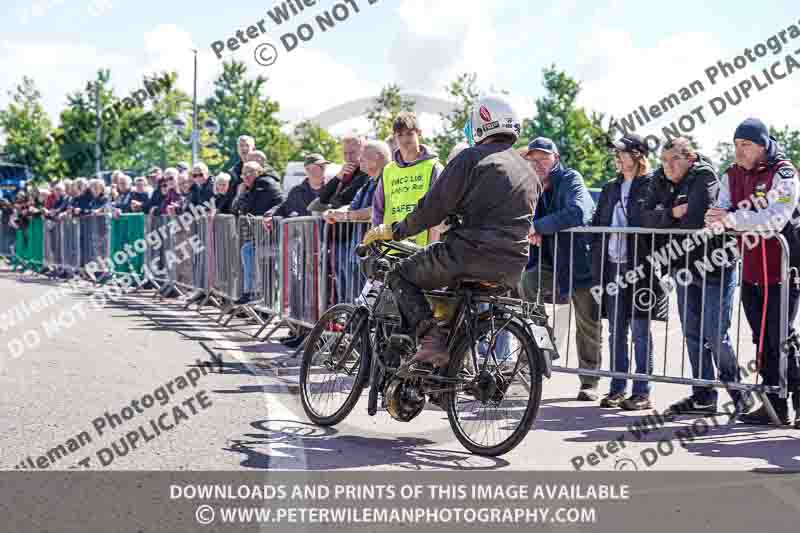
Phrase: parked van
(295,174)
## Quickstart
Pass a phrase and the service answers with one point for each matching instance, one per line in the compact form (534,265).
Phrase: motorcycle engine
(404,399)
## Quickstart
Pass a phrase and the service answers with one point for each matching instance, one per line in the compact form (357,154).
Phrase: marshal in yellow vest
(402,189)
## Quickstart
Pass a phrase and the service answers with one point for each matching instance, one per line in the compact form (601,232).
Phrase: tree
(724,153)
(146,137)
(28,129)
(76,135)
(387,106)
(240,109)
(790,143)
(309,137)
(579,135)
(464,92)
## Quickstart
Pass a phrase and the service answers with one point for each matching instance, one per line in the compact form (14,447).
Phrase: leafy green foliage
(464,91)
(240,107)
(387,106)
(578,134)
(311,138)
(28,132)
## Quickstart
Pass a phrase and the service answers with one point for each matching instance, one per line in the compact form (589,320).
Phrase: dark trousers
(440,265)
(752,303)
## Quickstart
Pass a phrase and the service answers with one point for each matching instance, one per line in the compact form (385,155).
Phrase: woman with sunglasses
(168,189)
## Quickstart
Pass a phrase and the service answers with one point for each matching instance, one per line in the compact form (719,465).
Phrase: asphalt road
(59,399)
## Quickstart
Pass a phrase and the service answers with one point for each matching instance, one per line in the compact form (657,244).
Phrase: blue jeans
(716,349)
(502,345)
(348,274)
(248,258)
(619,320)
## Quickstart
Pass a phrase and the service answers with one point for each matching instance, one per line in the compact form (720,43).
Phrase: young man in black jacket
(681,192)
(617,257)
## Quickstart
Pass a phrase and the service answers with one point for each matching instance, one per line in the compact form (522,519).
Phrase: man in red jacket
(759,193)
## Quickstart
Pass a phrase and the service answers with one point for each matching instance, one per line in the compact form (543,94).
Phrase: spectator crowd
(603,274)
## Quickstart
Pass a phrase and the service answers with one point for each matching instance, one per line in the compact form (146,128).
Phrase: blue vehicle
(13,179)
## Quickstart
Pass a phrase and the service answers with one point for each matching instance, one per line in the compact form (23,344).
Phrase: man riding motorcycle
(493,192)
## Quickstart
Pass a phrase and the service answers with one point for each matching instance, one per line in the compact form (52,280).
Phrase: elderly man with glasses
(565,203)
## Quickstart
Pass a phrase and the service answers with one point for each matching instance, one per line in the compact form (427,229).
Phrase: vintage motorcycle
(500,348)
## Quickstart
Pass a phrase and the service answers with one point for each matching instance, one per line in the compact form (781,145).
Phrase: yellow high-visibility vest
(402,189)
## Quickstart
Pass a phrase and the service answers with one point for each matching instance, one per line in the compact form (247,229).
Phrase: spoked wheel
(335,365)
(495,408)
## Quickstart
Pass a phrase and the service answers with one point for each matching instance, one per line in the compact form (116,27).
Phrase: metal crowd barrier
(70,231)
(671,365)
(182,271)
(343,280)
(29,245)
(95,240)
(154,253)
(268,264)
(7,238)
(126,230)
(303,265)
(301,250)
(53,249)
(201,266)
(226,260)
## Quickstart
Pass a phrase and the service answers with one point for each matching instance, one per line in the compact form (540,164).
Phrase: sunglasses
(198,175)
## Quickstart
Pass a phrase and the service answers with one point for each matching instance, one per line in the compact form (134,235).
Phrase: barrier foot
(300,348)
(233,312)
(263,327)
(223,311)
(191,301)
(213,300)
(216,357)
(770,410)
(254,315)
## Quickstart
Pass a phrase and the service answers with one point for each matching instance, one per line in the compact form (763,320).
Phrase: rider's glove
(382,232)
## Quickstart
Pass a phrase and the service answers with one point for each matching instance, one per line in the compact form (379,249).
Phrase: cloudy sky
(625,53)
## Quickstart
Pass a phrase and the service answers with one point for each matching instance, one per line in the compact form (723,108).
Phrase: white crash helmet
(491,115)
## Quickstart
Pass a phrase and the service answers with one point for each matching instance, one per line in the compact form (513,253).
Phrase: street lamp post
(195,132)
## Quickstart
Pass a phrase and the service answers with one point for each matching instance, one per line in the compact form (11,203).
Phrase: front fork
(375,378)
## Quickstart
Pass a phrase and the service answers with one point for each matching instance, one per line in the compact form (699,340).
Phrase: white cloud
(58,68)
(428,52)
(169,48)
(618,76)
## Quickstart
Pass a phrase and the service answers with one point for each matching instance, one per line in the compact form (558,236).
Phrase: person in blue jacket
(565,203)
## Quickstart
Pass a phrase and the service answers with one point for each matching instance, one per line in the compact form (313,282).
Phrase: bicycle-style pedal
(401,343)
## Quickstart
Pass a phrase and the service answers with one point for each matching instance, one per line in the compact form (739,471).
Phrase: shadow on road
(296,445)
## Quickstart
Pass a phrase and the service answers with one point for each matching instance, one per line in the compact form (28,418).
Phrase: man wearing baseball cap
(565,203)
(298,199)
(759,193)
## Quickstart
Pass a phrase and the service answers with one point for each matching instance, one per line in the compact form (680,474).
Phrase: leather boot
(434,348)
